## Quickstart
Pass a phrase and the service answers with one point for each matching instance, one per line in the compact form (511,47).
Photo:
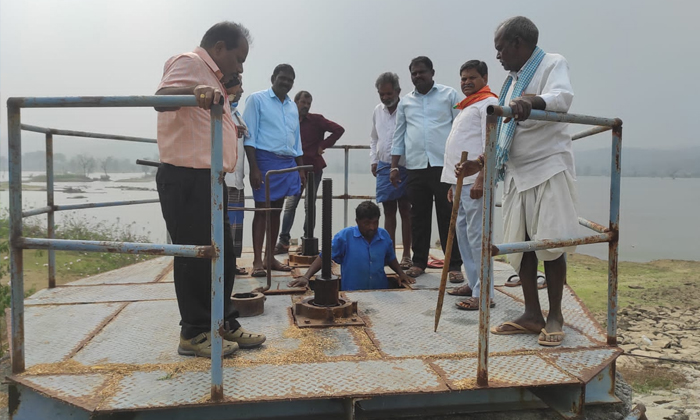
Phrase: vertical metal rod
(217,262)
(482,375)
(14,137)
(326,227)
(50,220)
(310,204)
(347,178)
(615,172)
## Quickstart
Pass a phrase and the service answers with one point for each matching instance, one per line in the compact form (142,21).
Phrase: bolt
(306,321)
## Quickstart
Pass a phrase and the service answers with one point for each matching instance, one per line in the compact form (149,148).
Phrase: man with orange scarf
(469,134)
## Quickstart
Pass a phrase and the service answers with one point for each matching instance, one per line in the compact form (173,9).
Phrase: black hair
(283,67)
(367,210)
(421,59)
(480,67)
(229,32)
(302,93)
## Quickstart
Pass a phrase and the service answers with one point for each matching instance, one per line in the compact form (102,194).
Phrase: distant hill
(680,163)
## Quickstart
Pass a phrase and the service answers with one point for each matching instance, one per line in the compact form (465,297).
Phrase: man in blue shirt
(423,122)
(362,252)
(274,142)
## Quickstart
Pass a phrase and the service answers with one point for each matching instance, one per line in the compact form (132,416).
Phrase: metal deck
(107,344)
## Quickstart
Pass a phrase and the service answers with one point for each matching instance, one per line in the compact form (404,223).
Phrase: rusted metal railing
(19,243)
(603,234)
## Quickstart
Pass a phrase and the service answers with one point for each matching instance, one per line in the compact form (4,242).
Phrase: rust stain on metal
(217,393)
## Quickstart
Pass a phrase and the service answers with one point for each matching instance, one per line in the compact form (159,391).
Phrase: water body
(658,215)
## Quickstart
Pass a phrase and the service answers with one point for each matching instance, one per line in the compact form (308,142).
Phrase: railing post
(615,173)
(347,178)
(50,221)
(482,374)
(14,138)
(217,262)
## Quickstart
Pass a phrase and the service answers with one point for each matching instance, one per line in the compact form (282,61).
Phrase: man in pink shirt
(184,136)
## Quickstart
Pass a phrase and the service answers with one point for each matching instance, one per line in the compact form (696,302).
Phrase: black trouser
(423,187)
(185,199)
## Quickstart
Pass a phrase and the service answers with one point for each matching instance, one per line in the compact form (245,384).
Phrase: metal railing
(18,242)
(603,234)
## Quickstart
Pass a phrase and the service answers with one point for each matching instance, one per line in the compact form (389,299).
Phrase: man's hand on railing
(522,106)
(206,96)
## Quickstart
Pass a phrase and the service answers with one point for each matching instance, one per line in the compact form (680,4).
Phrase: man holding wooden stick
(469,134)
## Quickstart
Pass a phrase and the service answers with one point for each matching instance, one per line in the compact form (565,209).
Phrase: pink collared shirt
(184,136)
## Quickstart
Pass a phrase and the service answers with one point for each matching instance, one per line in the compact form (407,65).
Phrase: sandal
(472,304)
(456,277)
(541,281)
(240,271)
(518,329)
(414,271)
(280,266)
(546,343)
(435,263)
(258,272)
(461,291)
(406,263)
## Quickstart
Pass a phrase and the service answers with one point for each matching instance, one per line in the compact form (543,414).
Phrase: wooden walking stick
(448,246)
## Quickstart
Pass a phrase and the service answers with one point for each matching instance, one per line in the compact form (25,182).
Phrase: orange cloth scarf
(483,93)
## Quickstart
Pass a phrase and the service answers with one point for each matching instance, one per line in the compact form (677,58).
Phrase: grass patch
(70,265)
(653,377)
(5,185)
(667,283)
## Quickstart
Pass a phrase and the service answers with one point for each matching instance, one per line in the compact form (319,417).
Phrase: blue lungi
(386,191)
(281,185)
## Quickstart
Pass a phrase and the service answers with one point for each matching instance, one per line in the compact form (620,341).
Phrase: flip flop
(433,263)
(456,277)
(258,272)
(471,304)
(282,267)
(552,334)
(540,284)
(414,271)
(519,329)
(457,291)
(515,283)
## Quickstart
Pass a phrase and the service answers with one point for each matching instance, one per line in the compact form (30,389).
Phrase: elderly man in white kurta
(535,160)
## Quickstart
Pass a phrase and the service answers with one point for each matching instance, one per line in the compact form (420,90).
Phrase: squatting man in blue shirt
(362,252)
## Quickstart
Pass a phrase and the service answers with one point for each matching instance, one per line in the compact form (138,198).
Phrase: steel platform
(105,347)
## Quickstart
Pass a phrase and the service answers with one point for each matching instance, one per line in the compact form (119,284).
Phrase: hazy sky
(629,59)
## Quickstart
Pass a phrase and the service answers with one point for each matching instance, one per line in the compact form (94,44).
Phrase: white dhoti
(547,211)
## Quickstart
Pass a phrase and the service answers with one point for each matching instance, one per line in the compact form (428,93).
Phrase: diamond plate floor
(110,342)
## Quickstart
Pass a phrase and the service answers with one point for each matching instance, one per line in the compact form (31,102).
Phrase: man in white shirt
(539,197)
(423,122)
(469,134)
(391,197)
